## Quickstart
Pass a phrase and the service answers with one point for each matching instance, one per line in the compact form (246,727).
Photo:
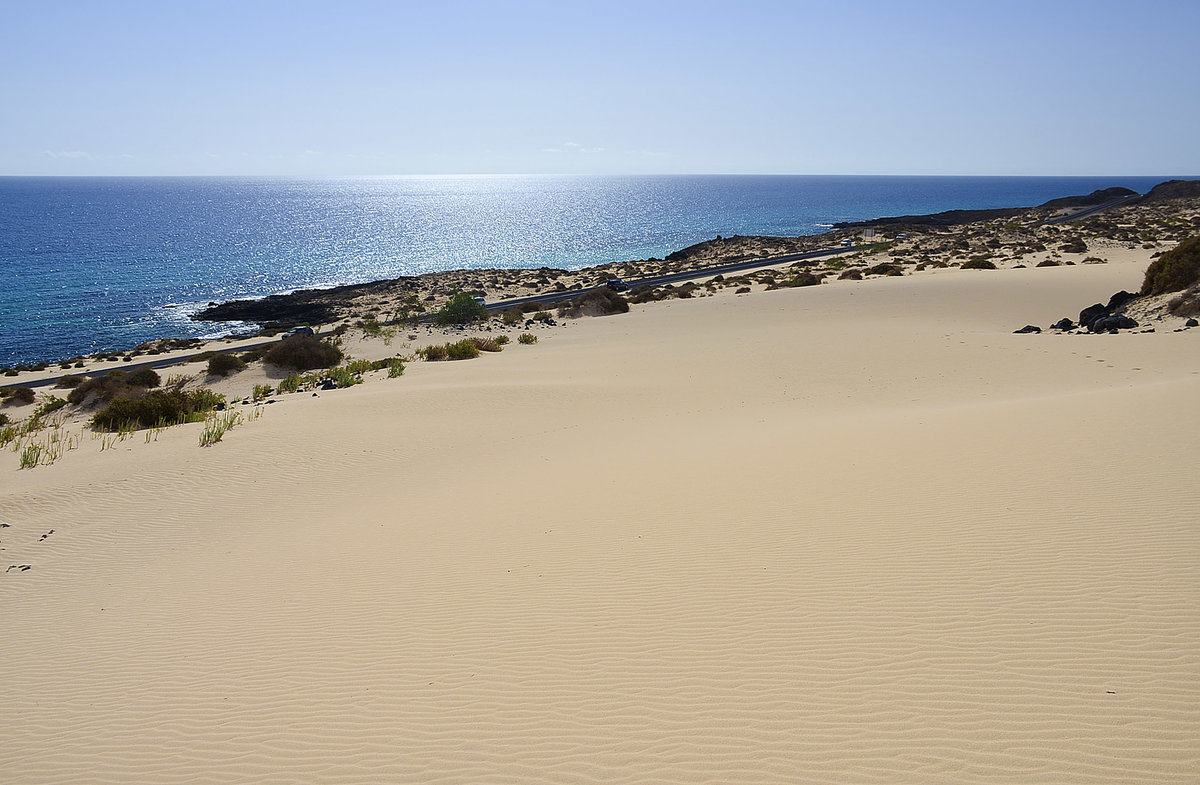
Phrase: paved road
(1091,210)
(551,297)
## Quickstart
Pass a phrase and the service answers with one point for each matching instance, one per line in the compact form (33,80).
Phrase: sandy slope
(847,534)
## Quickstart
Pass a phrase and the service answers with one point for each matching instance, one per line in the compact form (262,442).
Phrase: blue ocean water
(100,264)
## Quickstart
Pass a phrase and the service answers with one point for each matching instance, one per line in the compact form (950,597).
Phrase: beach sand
(855,533)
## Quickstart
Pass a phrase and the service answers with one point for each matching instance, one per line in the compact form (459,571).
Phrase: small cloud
(553,150)
(66,154)
(312,152)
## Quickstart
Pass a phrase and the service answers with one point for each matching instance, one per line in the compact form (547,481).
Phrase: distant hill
(1173,189)
(1092,199)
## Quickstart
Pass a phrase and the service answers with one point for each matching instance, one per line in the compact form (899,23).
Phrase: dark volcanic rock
(1119,299)
(1029,328)
(1191,323)
(1107,324)
(1091,314)
(1063,324)
(1092,199)
(1173,189)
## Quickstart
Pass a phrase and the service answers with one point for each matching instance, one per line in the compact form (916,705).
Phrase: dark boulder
(1106,324)
(1119,299)
(1063,324)
(1191,323)
(1029,328)
(1091,314)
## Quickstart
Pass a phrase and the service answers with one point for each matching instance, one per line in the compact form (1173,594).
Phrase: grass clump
(502,339)
(225,364)
(156,409)
(303,353)
(216,425)
(527,338)
(433,353)
(48,405)
(486,344)
(343,376)
(360,366)
(291,384)
(395,367)
(1176,270)
(70,381)
(261,391)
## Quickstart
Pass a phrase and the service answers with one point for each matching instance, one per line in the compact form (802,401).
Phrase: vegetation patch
(460,309)
(978,263)
(303,353)
(598,302)
(143,377)
(1176,270)
(156,409)
(224,364)
(526,338)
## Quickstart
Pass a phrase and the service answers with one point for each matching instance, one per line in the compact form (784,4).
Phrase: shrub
(541,316)
(433,353)
(978,263)
(486,344)
(501,340)
(527,338)
(143,377)
(462,350)
(19,396)
(203,356)
(303,353)
(157,408)
(342,376)
(1175,270)
(71,381)
(395,367)
(598,302)
(225,364)
(461,308)
(512,316)
(291,384)
(885,268)
(853,274)
(360,366)
(1186,304)
(261,391)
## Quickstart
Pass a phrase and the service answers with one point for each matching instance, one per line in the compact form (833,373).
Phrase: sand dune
(847,534)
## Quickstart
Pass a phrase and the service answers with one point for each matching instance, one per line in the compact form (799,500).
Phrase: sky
(297,88)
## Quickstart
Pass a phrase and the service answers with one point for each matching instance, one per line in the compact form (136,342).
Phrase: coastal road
(548,298)
(1091,210)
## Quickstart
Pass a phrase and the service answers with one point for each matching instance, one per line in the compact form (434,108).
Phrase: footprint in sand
(44,536)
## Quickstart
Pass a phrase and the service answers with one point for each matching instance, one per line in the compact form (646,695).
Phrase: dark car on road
(617,285)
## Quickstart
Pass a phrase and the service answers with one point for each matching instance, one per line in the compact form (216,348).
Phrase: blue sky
(308,88)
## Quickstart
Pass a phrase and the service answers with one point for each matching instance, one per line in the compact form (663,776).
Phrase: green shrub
(342,376)
(303,353)
(978,263)
(291,384)
(360,366)
(433,353)
(501,340)
(526,338)
(143,377)
(1176,270)
(261,391)
(461,308)
(70,381)
(512,316)
(157,408)
(465,349)
(395,367)
(541,316)
(224,364)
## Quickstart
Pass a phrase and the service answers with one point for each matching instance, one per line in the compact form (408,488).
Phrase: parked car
(301,330)
(617,285)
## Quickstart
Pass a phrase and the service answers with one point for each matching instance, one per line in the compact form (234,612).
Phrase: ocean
(102,264)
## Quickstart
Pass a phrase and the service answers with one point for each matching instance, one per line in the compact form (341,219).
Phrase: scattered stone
(1029,328)
(1111,324)
(1091,314)
(1191,323)
(1063,324)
